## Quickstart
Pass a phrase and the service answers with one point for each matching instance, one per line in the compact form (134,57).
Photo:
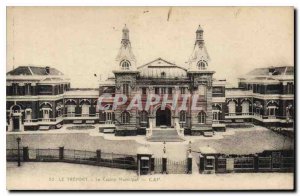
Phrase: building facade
(41,97)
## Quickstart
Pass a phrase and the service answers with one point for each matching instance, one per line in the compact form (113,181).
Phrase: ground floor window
(125,118)
(28,114)
(109,117)
(85,110)
(245,108)
(216,115)
(202,117)
(231,108)
(46,113)
(71,110)
(271,111)
(182,118)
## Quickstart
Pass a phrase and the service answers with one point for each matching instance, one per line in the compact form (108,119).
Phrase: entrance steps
(161,134)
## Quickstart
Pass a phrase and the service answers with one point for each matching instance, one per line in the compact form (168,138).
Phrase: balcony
(238,115)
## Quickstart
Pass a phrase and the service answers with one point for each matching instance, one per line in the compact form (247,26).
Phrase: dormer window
(125,65)
(202,65)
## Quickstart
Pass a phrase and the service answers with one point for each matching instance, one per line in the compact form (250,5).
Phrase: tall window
(125,89)
(46,113)
(144,119)
(170,91)
(163,74)
(156,90)
(290,88)
(182,90)
(182,116)
(271,110)
(215,115)
(15,88)
(231,108)
(125,117)
(28,114)
(71,110)
(144,91)
(201,65)
(202,117)
(85,110)
(245,108)
(27,89)
(59,112)
(109,117)
(125,65)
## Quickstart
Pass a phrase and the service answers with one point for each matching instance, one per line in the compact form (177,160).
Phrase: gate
(176,167)
(158,166)
(221,165)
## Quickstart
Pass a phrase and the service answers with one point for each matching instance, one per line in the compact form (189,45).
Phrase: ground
(233,141)
(75,176)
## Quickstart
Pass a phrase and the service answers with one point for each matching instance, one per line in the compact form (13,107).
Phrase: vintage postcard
(150,98)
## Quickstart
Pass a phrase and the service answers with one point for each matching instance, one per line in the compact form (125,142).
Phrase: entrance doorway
(163,117)
(16,123)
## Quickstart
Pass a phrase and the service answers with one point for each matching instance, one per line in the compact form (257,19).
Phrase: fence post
(216,164)
(164,164)
(201,163)
(25,154)
(152,164)
(256,163)
(98,152)
(189,163)
(61,153)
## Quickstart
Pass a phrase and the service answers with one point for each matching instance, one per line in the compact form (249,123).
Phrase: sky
(83,41)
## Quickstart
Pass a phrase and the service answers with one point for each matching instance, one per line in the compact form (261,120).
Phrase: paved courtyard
(233,141)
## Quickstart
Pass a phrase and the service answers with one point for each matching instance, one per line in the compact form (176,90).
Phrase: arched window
(125,117)
(182,118)
(216,110)
(245,108)
(231,108)
(85,110)
(125,65)
(202,117)
(202,65)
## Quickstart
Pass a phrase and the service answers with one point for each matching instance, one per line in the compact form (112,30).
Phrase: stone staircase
(166,134)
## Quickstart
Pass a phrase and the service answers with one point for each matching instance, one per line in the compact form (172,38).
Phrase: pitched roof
(159,66)
(282,70)
(34,70)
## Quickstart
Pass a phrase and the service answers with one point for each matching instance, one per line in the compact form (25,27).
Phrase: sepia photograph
(150,98)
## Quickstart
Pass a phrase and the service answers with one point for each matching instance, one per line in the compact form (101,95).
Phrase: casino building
(40,98)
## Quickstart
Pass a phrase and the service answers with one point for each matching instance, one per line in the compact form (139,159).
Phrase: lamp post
(19,158)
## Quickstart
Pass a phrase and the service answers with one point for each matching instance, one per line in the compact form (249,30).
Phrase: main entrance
(163,117)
